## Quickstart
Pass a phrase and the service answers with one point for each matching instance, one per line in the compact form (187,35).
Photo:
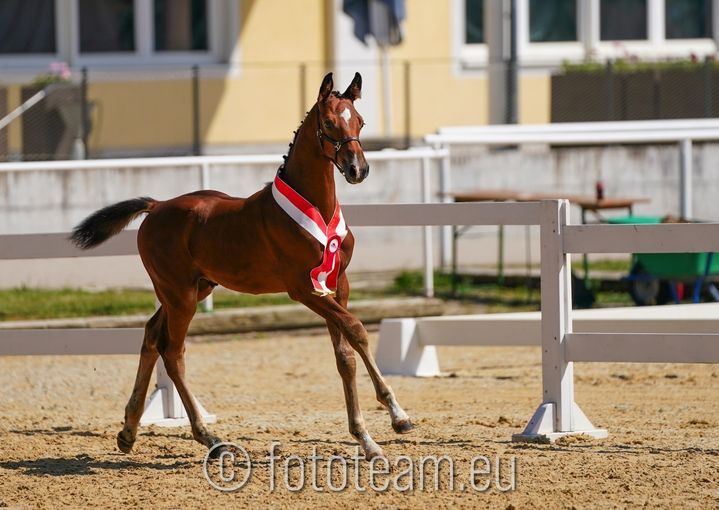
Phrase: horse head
(339,126)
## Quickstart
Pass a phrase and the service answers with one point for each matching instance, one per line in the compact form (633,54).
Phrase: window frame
(223,31)
(472,58)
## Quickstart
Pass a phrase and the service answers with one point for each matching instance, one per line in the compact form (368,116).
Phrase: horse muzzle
(355,169)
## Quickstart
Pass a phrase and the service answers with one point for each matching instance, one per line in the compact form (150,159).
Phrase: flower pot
(50,128)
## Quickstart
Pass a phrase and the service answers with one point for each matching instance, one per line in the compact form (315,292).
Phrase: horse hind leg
(135,406)
(156,339)
(172,350)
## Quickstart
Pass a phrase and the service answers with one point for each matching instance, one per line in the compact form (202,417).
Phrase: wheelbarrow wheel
(647,290)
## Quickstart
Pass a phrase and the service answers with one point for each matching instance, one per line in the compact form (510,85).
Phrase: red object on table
(600,190)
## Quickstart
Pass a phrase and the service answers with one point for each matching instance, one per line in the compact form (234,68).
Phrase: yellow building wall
(439,93)
(282,62)
(442,94)
(534,98)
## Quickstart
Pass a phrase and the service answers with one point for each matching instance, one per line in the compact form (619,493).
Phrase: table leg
(585,257)
(455,276)
(500,256)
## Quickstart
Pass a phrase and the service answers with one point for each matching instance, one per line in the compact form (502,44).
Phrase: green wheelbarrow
(660,278)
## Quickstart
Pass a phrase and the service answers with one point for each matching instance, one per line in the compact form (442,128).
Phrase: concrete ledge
(256,318)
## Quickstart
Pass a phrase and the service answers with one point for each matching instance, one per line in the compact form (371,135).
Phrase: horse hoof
(375,454)
(217,451)
(403,426)
(123,444)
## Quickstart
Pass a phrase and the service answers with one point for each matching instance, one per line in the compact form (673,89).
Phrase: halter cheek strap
(336,144)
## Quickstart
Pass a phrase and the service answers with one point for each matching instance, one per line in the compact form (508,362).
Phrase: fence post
(207,304)
(558,415)
(685,179)
(445,232)
(556,298)
(427,233)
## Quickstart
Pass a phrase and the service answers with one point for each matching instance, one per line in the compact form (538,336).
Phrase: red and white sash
(323,277)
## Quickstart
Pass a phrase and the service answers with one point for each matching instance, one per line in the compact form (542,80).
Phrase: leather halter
(336,144)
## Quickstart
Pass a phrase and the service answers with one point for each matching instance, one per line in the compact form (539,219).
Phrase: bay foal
(194,242)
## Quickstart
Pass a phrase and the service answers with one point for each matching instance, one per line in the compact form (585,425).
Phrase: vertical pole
(511,96)
(427,233)
(407,105)
(303,89)
(656,94)
(208,304)
(685,179)
(556,292)
(609,89)
(445,232)
(196,149)
(205,176)
(708,107)
(85,114)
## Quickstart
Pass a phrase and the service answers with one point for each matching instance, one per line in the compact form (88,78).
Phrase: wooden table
(587,203)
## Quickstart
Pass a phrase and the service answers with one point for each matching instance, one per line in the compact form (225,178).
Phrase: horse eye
(329,125)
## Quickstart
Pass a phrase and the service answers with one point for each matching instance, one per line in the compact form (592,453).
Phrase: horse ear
(354,91)
(325,88)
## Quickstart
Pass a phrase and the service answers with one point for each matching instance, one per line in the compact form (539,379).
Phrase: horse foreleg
(356,334)
(346,366)
(135,406)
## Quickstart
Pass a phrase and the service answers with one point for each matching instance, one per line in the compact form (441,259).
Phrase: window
(180,25)
(688,19)
(117,33)
(474,21)
(552,20)
(107,26)
(623,20)
(27,26)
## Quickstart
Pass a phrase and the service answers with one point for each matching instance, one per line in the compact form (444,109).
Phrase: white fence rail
(403,344)
(558,414)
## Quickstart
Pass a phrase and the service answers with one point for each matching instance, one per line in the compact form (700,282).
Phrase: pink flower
(60,69)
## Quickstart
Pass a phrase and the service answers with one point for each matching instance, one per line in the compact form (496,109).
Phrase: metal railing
(203,164)
(681,132)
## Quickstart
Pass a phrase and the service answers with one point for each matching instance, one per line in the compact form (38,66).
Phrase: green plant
(620,66)
(58,72)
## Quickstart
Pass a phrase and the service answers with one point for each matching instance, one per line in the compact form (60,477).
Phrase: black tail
(105,223)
